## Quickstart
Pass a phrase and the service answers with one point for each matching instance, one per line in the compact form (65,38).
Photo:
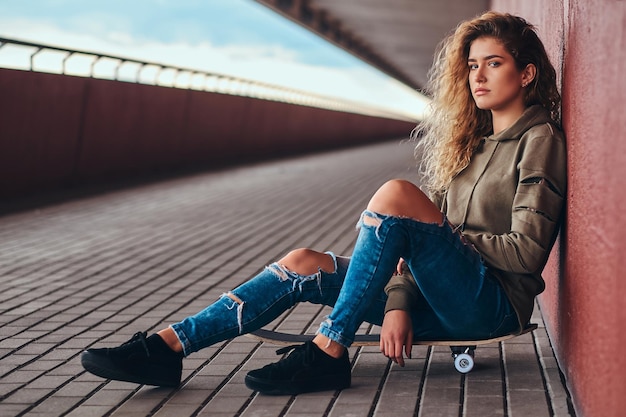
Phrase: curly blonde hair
(454,126)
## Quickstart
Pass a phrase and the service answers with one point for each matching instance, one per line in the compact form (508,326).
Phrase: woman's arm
(396,335)
(536,210)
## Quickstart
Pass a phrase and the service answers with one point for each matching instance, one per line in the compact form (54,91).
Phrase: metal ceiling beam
(399,37)
(322,22)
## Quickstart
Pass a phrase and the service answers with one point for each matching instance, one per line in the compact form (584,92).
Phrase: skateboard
(462,350)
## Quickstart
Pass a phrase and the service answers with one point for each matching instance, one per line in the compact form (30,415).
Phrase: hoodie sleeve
(536,209)
(402,292)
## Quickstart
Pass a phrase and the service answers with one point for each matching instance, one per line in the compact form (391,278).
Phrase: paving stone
(89,411)
(107,398)
(28,396)
(480,406)
(55,405)
(48,381)
(12,409)
(528,403)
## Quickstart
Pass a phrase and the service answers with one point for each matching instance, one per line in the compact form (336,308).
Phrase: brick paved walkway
(92,271)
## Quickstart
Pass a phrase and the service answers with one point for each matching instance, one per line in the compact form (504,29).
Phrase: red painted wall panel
(58,130)
(130,129)
(208,139)
(584,301)
(39,128)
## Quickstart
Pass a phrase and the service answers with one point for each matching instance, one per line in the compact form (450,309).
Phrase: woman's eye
(472,66)
(494,64)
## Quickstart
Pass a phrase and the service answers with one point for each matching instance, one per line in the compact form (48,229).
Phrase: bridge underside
(398,37)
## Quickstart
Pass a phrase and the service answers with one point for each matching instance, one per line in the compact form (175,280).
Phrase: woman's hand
(396,335)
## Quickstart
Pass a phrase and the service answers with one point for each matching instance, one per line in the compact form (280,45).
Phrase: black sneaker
(143,361)
(306,369)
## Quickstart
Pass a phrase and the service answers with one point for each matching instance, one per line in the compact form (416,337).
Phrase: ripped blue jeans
(458,300)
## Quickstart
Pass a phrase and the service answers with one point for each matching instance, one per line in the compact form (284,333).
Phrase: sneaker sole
(105,368)
(271,387)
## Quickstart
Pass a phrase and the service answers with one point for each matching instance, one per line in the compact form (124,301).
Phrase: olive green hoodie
(508,203)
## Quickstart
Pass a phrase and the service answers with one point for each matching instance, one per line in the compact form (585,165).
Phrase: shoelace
(300,354)
(286,349)
(139,337)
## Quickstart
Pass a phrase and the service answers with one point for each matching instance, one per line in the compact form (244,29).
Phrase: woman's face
(494,80)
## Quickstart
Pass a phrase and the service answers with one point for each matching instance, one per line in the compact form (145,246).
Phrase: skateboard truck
(463,358)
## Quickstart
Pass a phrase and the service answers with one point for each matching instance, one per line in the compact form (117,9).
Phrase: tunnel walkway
(92,271)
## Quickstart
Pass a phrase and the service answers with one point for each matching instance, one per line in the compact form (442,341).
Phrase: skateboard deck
(462,350)
(286,339)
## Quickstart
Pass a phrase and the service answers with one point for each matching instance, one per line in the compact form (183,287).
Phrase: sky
(234,37)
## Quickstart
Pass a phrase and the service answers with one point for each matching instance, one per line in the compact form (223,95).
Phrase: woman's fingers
(395,334)
(393,351)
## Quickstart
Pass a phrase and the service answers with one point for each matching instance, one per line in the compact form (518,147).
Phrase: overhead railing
(18,54)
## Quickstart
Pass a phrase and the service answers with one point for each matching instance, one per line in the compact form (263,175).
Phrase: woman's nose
(479,75)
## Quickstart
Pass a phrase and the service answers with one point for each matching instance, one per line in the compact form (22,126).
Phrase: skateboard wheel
(464,362)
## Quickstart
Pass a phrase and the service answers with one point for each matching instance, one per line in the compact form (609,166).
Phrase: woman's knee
(305,261)
(402,198)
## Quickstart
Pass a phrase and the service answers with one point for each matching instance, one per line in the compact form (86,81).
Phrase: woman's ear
(528,74)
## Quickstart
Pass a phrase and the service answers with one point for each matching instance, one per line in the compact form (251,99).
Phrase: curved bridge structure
(58,130)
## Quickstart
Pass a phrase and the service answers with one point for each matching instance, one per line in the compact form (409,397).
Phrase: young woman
(463,264)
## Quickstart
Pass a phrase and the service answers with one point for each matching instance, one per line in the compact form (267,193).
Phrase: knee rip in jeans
(371,219)
(285,274)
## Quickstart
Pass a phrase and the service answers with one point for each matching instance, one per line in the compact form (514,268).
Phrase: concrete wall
(586,284)
(59,130)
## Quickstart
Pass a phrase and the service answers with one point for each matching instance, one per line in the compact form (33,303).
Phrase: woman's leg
(302,275)
(462,300)
(374,260)
(396,198)
(401,222)
(212,324)
(323,364)
(404,199)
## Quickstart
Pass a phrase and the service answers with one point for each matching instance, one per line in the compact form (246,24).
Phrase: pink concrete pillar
(584,301)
